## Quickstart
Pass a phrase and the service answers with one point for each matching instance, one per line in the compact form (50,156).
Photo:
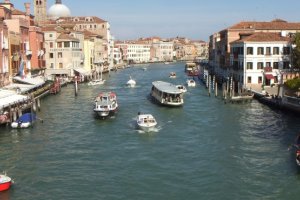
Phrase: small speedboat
(191,83)
(182,88)
(131,82)
(146,122)
(172,75)
(25,121)
(5,182)
(96,82)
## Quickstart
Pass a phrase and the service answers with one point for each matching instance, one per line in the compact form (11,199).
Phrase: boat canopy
(27,117)
(166,87)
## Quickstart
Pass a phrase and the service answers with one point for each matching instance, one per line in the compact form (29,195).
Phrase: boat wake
(151,130)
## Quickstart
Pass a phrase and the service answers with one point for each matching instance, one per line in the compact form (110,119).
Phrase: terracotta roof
(64,36)
(264,37)
(88,34)
(81,20)
(49,28)
(273,25)
(18,12)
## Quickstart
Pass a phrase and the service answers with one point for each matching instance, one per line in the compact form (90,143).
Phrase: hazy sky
(194,19)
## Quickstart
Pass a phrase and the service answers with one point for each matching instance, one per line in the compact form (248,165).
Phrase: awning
(269,76)
(8,98)
(36,81)
(81,71)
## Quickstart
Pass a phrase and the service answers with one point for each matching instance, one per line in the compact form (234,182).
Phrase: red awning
(269,76)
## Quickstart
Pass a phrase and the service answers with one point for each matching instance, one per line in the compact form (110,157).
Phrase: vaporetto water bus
(166,94)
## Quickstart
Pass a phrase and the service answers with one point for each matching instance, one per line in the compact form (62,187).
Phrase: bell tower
(40,11)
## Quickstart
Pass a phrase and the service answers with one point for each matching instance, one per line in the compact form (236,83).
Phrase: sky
(194,19)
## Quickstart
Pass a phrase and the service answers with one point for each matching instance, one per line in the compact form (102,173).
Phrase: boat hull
(146,122)
(165,102)
(5,183)
(20,125)
(103,114)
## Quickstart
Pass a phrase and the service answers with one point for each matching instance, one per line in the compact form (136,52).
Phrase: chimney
(27,8)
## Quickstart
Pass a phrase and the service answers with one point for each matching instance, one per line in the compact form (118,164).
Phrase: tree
(296,51)
(293,84)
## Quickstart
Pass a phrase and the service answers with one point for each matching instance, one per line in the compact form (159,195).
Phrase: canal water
(203,150)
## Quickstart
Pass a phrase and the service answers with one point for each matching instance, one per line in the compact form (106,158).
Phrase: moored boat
(190,66)
(166,94)
(146,122)
(5,182)
(4,117)
(105,104)
(25,121)
(96,82)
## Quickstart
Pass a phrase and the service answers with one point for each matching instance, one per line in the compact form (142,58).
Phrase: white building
(258,59)
(137,52)
(163,51)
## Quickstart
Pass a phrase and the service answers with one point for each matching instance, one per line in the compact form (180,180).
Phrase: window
(268,51)
(260,65)
(268,64)
(275,50)
(61,65)
(286,64)
(59,45)
(275,65)
(249,65)
(59,54)
(286,50)
(51,35)
(51,55)
(249,79)
(51,65)
(260,79)
(51,44)
(66,44)
(260,51)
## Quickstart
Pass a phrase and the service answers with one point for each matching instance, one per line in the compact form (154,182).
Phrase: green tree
(296,51)
(293,84)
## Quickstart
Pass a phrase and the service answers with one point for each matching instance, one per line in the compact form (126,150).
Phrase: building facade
(260,59)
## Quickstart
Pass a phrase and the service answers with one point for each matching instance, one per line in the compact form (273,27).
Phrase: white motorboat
(172,75)
(146,122)
(96,82)
(131,82)
(166,94)
(191,83)
(106,104)
(182,88)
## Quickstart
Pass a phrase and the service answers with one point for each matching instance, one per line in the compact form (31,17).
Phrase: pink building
(26,40)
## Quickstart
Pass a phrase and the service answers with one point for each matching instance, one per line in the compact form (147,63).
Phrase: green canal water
(203,150)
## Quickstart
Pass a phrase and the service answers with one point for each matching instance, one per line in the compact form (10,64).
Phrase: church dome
(58,10)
